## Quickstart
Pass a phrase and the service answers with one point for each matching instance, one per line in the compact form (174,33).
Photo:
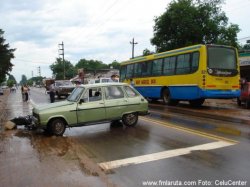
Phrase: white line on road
(163,155)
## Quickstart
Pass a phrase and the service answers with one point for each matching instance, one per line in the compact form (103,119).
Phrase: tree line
(184,23)
(70,70)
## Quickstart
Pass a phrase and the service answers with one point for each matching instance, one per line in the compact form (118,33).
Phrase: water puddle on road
(63,151)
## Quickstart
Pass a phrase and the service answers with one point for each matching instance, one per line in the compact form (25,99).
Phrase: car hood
(40,108)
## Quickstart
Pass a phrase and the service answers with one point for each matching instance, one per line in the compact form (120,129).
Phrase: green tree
(114,65)
(188,22)
(245,47)
(30,82)
(147,52)
(37,80)
(23,80)
(58,69)
(6,54)
(91,65)
(11,81)
(11,77)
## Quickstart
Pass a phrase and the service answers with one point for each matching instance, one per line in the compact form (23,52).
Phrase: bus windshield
(222,61)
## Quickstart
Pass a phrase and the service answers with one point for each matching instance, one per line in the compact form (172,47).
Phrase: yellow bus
(193,74)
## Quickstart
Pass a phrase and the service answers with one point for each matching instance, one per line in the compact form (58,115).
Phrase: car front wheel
(130,120)
(57,127)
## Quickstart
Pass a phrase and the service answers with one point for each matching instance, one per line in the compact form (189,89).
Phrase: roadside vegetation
(184,23)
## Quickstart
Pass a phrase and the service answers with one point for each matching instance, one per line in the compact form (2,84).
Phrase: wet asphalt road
(170,146)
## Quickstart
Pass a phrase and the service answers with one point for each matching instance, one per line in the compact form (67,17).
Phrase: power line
(61,48)
(133,43)
(97,26)
(244,38)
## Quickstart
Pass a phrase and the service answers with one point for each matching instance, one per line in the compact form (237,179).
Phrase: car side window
(92,94)
(113,92)
(130,92)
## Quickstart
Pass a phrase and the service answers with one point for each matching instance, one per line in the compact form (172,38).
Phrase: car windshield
(76,94)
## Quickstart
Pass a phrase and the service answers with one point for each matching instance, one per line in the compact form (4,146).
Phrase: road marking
(191,131)
(220,142)
(226,130)
(163,155)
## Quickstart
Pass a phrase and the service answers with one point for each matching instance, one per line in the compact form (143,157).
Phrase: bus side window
(130,71)
(195,62)
(157,67)
(169,66)
(137,70)
(123,73)
(146,68)
(183,64)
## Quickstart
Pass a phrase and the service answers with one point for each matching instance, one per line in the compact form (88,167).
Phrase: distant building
(244,58)
(96,74)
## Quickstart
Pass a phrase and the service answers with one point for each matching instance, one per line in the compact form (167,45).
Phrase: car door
(92,108)
(134,99)
(115,102)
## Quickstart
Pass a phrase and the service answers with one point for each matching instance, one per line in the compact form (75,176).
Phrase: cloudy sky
(90,29)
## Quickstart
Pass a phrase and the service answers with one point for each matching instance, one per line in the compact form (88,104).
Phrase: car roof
(102,84)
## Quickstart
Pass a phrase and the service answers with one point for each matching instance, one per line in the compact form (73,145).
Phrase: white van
(102,80)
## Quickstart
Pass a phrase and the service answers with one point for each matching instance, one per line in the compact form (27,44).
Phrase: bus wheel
(166,96)
(196,102)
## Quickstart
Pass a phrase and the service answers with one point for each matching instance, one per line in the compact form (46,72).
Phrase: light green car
(92,104)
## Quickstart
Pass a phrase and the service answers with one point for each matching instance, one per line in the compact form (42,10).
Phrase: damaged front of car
(45,115)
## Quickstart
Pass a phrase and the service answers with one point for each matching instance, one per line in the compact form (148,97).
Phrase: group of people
(25,92)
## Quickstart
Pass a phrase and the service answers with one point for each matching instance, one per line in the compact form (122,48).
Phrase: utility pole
(39,71)
(61,48)
(133,43)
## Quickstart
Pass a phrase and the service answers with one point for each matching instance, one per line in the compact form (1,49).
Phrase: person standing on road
(22,92)
(26,94)
(52,93)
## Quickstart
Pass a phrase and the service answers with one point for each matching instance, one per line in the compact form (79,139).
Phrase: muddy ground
(32,158)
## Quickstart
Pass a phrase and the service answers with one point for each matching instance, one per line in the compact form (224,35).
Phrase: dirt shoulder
(3,112)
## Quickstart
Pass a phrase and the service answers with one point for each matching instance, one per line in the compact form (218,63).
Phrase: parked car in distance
(92,104)
(245,95)
(63,87)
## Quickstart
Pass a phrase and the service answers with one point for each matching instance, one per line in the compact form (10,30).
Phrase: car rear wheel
(57,127)
(130,120)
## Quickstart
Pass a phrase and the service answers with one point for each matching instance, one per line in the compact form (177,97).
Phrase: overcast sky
(90,29)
